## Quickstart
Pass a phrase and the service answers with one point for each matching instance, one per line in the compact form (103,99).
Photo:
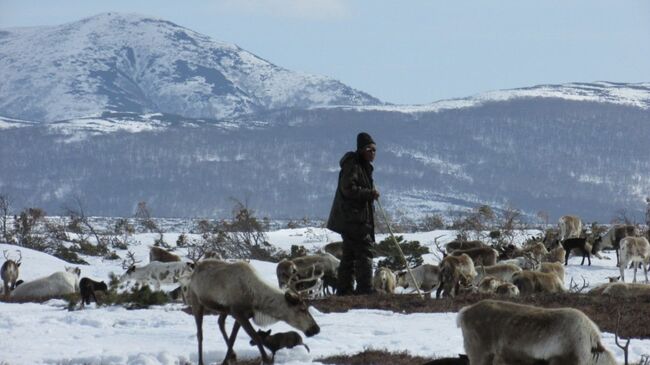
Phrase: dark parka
(352,210)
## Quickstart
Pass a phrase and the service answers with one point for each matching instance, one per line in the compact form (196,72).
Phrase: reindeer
(508,290)
(553,268)
(454,271)
(570,227)
(529,282)
(335,249)
(463,245)
(162,255)
(578,243)
(634,249)
(485,256)
(9,272)
(500,271)
(298,268)
(278,341)
(612,239)
(623,290)
(87,289)
(427,277)
(555,255)
(384,280)
(498,332)
(58,284)
(157,273)
(236,289)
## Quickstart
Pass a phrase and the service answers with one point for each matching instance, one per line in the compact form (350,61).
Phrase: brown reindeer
(236,289)
(9,273)
(553,268)
(335,249)
(497,332)
(454,271)
(529,282)
(463,245)
(555,255)
(485,256)
(570,227)
(162,255)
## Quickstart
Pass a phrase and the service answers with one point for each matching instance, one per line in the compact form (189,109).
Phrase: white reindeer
(634,249)
(57,284)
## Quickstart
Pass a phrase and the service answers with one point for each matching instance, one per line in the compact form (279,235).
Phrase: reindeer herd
(494,331)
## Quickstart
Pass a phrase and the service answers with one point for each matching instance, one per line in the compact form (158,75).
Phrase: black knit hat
(363,139)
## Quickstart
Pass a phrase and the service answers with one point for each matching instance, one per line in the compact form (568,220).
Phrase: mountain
(131,63)
(118,109)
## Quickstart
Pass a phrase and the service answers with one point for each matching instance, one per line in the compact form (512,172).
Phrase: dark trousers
(355,263)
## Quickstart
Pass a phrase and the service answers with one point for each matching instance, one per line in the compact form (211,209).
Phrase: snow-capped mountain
(627,94)
(131,63)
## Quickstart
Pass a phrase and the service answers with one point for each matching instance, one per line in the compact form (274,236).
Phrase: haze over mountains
(119,108)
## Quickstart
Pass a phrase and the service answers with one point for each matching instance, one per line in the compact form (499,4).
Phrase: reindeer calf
(578,243)
(87,289)
(278,341)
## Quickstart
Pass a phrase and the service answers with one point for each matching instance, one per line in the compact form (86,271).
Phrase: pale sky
(406,52)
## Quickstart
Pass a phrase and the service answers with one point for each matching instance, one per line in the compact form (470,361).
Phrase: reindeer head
(300,317)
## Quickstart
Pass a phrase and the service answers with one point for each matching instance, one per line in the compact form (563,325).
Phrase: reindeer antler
(129,260)
(627,343)
(20,256)
(573,286)
(4,253)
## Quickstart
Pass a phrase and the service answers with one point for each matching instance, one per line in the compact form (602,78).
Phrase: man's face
(369,152)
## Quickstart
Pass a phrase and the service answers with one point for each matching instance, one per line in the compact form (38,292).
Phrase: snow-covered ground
(50,334)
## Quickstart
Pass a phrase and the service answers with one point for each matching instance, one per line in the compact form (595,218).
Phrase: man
(352,217)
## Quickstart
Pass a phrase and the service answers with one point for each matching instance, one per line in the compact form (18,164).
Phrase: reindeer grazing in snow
(496,332)
(634,249)
(235,289)
(9,272)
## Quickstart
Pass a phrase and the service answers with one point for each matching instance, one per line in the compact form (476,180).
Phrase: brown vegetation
(635,321)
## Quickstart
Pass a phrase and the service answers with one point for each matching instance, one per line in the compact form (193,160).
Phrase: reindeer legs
(243,320)
(198,318)
(230,341)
